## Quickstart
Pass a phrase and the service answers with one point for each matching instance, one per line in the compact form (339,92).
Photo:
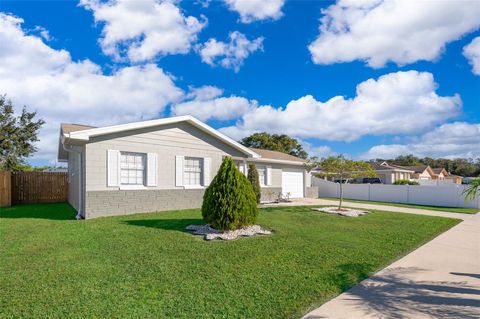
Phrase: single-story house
(388,173)
(421,172)
(454,178)
(163,164)
(442,174)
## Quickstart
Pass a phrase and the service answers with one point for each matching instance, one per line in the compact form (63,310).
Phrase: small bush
(254,180)
(229,202)
(405,182)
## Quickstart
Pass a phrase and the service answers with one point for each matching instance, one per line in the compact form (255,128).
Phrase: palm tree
(472,191)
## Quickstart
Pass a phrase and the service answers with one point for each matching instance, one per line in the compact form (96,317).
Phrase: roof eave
(395,170)
(86,134)
(277,161)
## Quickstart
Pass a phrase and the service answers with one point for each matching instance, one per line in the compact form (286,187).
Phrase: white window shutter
(179,170)
(207,171)
(152,168)
(241,167)
(113,168)
(269,175)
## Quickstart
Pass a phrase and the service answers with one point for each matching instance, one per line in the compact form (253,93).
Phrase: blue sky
(420,90)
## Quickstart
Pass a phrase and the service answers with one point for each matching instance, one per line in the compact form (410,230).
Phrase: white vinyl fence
(445,195)
(436,182)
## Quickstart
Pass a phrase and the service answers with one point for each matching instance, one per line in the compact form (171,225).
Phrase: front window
(132,168)
(262,174)
(192,171)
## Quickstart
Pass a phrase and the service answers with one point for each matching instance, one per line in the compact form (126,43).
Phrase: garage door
(292,182)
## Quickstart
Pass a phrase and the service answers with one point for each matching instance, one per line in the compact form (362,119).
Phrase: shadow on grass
(348,275)
(167,224)
(287,209)
(54,211)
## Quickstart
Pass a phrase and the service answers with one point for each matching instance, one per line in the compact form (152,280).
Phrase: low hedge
(405,182)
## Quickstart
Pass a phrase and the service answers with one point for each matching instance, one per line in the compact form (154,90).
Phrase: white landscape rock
(343,212)
(211,233)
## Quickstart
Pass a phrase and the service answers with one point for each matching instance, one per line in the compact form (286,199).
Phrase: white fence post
(408,193)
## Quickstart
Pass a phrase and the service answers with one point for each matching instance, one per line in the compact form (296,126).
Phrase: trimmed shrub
(229,202)
(254,180)
(405,182)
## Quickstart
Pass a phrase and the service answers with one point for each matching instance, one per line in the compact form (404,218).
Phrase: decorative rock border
(210,233)
(348,212)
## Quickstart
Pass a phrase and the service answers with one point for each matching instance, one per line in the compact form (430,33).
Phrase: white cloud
(205,92)
(43,33)
(452,140)
(316,150)
(396,103)
(472,53)
(379,31)
(144,29)
(254,10)
(207,103)
(230,54)
(62,90)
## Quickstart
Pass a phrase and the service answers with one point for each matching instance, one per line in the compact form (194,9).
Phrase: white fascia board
(86,134)
(276,161)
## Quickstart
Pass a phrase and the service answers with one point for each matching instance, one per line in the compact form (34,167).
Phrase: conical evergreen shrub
(229,202)
(254,180)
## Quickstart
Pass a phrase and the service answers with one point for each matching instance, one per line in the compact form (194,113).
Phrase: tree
(255,181)
(275,142)
(472,191)
(406,160)
(343,169)
(17,135)
(229,202)
(458,166)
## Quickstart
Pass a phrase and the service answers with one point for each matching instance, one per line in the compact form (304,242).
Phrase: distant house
(421,172)
(454,178)
(388,173)
(442,175)
(425,172)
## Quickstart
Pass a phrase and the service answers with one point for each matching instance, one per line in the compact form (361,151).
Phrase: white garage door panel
(292,182)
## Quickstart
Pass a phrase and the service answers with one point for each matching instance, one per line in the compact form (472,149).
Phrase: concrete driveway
(441,279)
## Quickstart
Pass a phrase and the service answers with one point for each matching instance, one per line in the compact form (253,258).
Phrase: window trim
(131,186)
(201,178)
(263,181)
(144,160)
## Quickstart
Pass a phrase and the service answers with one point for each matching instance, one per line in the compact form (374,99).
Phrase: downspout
(71,150)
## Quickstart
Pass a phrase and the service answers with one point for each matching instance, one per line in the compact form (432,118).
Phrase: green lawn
(146,265)
(436,208)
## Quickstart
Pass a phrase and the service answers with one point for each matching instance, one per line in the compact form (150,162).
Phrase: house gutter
(71,150)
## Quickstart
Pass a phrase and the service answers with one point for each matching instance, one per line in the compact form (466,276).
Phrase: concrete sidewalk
(441,279)
(346,203)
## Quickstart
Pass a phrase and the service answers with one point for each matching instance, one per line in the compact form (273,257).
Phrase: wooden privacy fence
(5,189)
(39,187)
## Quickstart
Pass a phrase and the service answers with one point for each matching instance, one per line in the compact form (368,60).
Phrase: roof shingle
(277,155)
(71,127)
